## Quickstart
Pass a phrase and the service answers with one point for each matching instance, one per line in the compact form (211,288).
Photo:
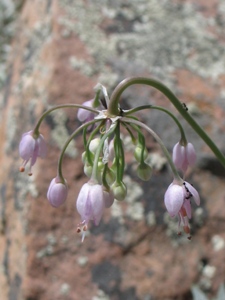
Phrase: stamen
(78,230)
(22,169)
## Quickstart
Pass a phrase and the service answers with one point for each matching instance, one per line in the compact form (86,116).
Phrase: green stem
(67,143)
(94,176)
(36,128)
(165,151)
(131,111)
(113,108)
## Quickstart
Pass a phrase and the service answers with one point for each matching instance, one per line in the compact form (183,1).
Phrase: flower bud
(93,146)
(57,192)
(108,197)
(184,156)
(88,169)
(138,153)
(110,176)
(119,190)
(144,171)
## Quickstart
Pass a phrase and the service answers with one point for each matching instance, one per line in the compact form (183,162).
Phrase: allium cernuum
(184,156)
(31,148)
(57,192)
(90,205)
(177,201)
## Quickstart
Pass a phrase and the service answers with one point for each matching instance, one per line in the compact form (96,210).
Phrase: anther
(22,169)
(78,230)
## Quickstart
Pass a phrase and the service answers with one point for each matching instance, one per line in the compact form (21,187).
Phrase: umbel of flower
(177,201)
(184,156)
(31,147)
(57,192)
(90,205)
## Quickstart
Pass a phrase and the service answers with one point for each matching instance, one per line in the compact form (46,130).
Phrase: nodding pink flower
(85,115)
(90,205)
(177,201)
(31,148)
(183,156)
(57,192)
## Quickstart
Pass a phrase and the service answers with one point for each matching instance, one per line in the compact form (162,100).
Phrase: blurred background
(56,51)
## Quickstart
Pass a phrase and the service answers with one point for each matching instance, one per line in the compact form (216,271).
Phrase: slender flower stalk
(47,112)
(113,108)
(165,151)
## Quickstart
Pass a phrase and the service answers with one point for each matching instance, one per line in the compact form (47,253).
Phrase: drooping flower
(90,205)
(57,192)
(85,115)
(177,201)
(184,156)
(31,148)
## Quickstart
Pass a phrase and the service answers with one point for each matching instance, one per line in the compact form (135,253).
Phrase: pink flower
(177,202)
(31,148)
(183,156)
(57,192)
(90,205)
(85,115)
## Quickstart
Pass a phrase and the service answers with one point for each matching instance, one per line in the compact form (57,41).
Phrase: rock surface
(60,50)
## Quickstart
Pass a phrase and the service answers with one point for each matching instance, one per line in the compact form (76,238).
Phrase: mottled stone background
(55,51)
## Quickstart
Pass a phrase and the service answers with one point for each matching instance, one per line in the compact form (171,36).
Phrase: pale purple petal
(190,154)
(174,198)
(194,192)
(42,147)
(90,203)
(26,147)
(178,155)
(97,203)
(57,193)
(83,114)
(81,199)
(187,206)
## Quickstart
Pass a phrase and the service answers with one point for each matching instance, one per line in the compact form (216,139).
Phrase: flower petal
(173,199)
(194,192)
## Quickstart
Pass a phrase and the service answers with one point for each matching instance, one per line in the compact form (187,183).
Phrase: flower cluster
(104,159)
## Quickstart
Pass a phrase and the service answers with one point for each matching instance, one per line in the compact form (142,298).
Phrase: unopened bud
(144,171)
(138,153)
(88,170)
(119,190)
(94,145)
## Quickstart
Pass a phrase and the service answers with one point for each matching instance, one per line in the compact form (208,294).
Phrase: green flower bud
(93,146)
(138,153)
(110,176)
(144,171)
(88,170)
(119,190)
(84,157)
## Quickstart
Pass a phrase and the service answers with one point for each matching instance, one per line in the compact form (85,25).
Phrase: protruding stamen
(22,169)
